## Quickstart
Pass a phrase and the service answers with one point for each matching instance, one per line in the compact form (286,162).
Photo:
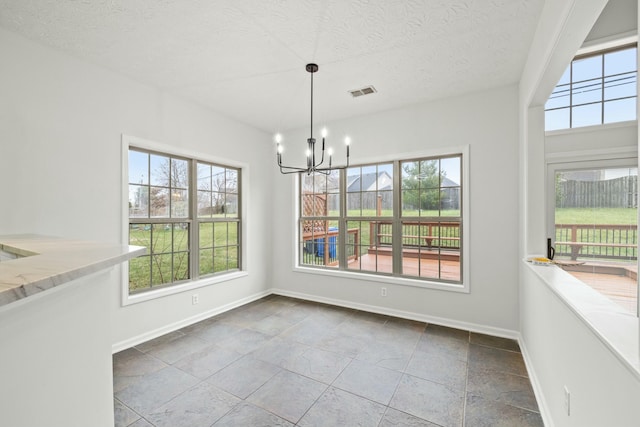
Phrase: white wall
(563,352)
(560,348)
(61,122)
(614,138)
(55,361)
(618,17)
(487,121)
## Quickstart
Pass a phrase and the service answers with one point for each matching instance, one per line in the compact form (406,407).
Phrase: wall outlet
(383,292)
(567,401)
(195,299)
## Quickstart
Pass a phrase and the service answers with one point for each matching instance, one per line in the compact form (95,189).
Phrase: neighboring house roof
(446,182)
(367,182)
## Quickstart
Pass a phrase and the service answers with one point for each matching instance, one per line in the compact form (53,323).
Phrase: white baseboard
(474,327)
(537,388)
(138,339)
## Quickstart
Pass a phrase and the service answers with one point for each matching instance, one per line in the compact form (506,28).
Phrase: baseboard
(138,339)
(473,327)
(537,388)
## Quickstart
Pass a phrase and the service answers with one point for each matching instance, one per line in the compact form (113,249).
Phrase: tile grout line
(403,373)
(466,386)
(351,316)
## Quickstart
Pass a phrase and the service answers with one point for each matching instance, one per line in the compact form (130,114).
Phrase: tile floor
(284,362)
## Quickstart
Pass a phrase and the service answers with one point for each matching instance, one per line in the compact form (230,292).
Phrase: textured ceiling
(246,58)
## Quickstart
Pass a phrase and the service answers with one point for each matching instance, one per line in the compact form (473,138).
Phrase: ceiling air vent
(364,91)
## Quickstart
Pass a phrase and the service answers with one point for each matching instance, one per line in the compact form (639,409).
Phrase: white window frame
(463,287)
(597,50)
(135,142)
(581,162)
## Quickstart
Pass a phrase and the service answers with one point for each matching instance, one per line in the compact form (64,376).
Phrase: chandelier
(312,166)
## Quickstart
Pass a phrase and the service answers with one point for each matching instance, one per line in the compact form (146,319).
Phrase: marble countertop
(46,262)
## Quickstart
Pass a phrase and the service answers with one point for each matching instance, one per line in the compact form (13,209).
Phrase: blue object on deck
(332,244)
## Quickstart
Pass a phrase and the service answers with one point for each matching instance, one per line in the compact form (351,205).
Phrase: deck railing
(429,234)
(605,241)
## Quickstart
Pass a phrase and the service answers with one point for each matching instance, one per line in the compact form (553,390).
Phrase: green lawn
(623,216)
(599,216)
(167,258)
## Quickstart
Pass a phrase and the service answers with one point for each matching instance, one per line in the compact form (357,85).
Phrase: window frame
(577,163)
(592,53)
(428,283)
(128,298)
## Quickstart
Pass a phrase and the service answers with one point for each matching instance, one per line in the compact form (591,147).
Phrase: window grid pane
(431,249)
(167,257)
(160,218)
(369,246)
(429,215)
(370,190)
(588,85)
(319,245)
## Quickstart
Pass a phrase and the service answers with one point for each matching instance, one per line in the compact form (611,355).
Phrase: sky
(619,91)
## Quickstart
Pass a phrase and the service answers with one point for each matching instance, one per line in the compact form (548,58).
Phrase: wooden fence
(612,193)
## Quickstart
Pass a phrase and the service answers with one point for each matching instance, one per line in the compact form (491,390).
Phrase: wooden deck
(413,266)
(618,284)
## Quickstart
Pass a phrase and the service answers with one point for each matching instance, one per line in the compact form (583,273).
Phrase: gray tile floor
(284,362)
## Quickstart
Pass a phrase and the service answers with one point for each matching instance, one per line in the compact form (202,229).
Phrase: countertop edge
(54,262)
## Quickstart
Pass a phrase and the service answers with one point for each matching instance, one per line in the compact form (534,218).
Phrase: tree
(171,177)
(421,185)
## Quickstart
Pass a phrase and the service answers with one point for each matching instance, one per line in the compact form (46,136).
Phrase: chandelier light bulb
(308,153)
(278,138)
(324,132)
(347,140)
(279,148)
(330,151)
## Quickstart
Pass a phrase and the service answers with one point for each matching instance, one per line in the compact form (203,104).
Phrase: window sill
(176,289)
(616,328)
(403,281)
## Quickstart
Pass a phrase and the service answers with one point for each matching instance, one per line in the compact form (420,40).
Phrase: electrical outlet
(567,401)
(383,292)
(195,299)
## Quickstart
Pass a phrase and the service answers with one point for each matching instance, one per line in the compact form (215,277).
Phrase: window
(595,89)
(595,227)
(401,218)
(185,211)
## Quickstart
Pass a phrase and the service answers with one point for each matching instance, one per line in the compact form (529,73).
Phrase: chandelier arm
(289,169)
(333,168)
(321,157)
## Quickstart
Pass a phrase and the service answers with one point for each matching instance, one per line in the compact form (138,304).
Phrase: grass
(599,216)
(167,259)
(618,216)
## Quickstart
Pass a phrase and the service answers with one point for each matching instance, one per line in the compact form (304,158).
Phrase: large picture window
(185,211)
(400,218)
(595,226)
